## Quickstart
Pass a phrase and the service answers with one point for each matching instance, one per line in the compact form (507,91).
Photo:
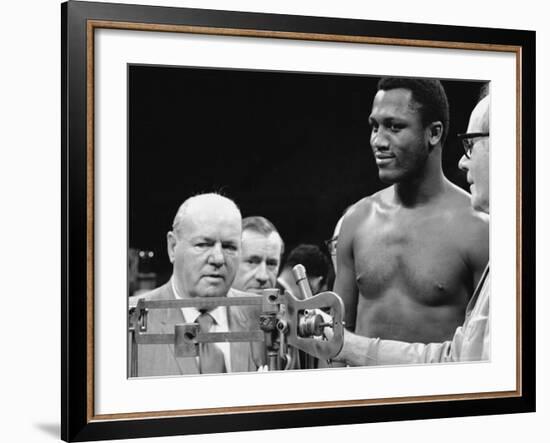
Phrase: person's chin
(387,176)
(214,291)
(480,204)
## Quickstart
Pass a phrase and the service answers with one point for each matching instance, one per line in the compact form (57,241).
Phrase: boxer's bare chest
(410,252)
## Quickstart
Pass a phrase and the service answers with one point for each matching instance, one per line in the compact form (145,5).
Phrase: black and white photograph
(289,192)
(280,221)
(284,221)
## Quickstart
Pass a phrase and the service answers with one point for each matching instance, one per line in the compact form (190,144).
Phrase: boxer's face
(398,138)
(477,166)
(260,260)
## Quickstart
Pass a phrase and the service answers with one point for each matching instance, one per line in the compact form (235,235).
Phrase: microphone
(299,272)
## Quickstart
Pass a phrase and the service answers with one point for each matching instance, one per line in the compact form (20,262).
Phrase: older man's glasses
(468,141)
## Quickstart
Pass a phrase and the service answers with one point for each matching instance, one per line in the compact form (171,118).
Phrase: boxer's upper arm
(345,285)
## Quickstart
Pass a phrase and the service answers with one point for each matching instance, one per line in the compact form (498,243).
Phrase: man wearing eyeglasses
(410,256)
(477,169)
(472,340)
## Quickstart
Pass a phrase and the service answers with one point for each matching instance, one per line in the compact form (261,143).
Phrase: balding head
(479,120)
(204,246)
(204,206)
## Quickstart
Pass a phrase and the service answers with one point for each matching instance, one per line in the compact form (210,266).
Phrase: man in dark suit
(204,247)
(262,248)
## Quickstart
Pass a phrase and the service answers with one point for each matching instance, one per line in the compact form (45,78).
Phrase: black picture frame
(79,19)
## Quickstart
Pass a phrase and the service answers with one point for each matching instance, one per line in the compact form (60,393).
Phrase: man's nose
(216,256)
(463,163)
(261,273)
(379,140)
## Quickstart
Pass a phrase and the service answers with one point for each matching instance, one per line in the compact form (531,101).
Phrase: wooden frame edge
(337,38)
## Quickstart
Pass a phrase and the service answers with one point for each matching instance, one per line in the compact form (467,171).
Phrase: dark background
(292,147)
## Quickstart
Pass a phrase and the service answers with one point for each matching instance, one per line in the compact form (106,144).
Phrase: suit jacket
(160,359)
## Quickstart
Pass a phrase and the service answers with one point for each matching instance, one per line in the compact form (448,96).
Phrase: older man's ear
(171,242)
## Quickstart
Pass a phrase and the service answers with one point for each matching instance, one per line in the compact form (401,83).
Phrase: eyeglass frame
(466,140)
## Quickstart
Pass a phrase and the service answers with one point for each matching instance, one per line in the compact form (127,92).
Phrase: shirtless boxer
(410,256)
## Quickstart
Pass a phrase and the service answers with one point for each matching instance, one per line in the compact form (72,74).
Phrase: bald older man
(204,249)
